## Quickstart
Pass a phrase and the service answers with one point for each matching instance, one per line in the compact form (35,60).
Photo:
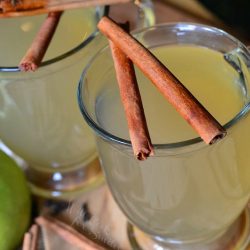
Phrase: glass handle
(146,15)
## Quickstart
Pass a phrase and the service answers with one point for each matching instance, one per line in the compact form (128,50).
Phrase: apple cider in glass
(188,194)
(157,191)
(39,116)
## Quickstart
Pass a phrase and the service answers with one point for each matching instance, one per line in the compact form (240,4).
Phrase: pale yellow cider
(18,33)
(183,193)
(39,116)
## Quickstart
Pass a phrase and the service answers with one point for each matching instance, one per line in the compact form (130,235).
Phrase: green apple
(15,203)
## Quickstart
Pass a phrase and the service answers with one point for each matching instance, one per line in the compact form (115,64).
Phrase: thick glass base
(237,237)
(65,184)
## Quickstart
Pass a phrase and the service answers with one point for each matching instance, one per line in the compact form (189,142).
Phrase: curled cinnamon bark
(17,5)
(34,231)
(27,242)
(132,103)
(30,241)
(14,8)
(69,234)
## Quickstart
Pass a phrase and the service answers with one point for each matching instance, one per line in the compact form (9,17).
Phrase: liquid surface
(207,83)
(17,34)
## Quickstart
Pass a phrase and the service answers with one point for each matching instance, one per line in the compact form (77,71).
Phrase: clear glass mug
(188,195)
(39,116)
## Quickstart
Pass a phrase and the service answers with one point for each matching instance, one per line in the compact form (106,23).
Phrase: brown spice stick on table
(35,54)
(30,241)
(27,241)
(15,5)
(174,91)
(68,233)
(132,103)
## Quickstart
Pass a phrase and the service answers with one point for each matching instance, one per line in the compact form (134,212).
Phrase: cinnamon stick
(132,103)
(30,241)
(34,231)
(36,7)
(175,92)
(68,233)
(26,241)
(16,5)
(34,55)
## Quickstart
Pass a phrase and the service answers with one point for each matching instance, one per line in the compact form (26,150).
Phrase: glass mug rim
(82,44)
(165,146)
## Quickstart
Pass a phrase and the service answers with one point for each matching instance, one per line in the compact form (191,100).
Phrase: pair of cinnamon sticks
(66,232)
(126,50)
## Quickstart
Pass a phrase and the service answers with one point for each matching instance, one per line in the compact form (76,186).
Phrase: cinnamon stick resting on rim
(35,54)
(175,92)
(131,99)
